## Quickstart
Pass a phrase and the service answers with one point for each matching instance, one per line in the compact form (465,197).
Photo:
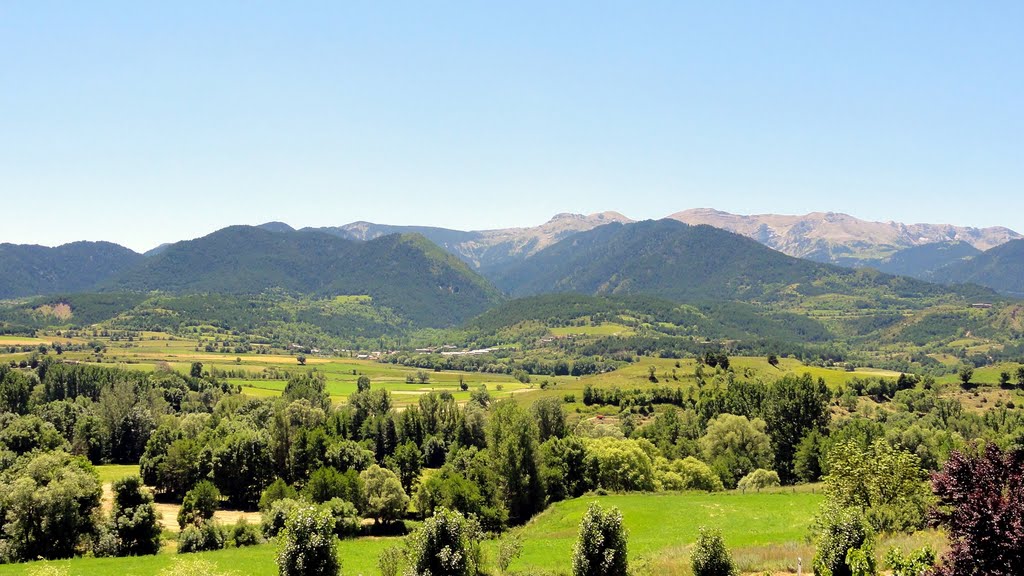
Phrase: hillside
(28,270)
(840,238)
(673,260)
(405,273)
(487,249)
(922,261)
(1000,268)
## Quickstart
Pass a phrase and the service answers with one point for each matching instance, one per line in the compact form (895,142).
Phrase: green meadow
(765,531)
(661,529)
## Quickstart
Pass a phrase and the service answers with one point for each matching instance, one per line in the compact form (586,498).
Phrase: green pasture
(110,472)
(152,350)
(666,521)
(657,523)
(357,557)
(987,375)
(603,329)
(637,375)
(765,532)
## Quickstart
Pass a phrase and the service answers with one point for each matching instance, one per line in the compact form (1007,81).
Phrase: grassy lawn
(110,472)
(357,557)
(764,531)
(604,329)
(660,526)
(664,525)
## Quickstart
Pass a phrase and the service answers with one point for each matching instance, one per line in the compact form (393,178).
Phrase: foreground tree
(710,556)
(981,503)
(845,545)
(308,545)
(199,504)
(793,407)
(448,544)
(133,521)
(601,547)
(385,500)
(512,439)
(50,508)
(886,484)
(242,468)
(735,446)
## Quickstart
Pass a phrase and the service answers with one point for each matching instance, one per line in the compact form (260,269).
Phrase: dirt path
(168,513)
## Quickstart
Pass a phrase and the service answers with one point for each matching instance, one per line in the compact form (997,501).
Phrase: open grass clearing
(765,531)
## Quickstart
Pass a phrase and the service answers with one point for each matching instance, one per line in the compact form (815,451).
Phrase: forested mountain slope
(406,273)
(28,270)
(673,260)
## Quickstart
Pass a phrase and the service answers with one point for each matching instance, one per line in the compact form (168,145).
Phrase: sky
(150,122)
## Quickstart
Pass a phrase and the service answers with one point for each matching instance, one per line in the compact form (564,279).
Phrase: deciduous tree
(512,441)
(385,500)
(600,549)
(981,504)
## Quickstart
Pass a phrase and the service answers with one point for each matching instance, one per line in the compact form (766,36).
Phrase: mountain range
(488,249)
(841,238)
(436,276)
(1000,268)
(683,263)
(917,250)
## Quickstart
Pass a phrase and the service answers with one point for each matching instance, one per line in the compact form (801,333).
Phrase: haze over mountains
(415,268)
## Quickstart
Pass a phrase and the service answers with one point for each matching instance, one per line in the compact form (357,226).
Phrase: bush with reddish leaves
(981,503)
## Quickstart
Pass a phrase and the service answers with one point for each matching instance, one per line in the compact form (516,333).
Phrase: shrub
(601,546)
(842,531)
(710,557)
(105,545)
(759,479)
(278,490)
(199,504)
(861,561)
(918,563)
(686,474)
(510,548)
(274,518)
(346,518)
(389,561)
(622,464)
(308,545)
(448,544)
(134,529)
(244,534)
(201,538)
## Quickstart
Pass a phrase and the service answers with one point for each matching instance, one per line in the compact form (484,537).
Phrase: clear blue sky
(143,124)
